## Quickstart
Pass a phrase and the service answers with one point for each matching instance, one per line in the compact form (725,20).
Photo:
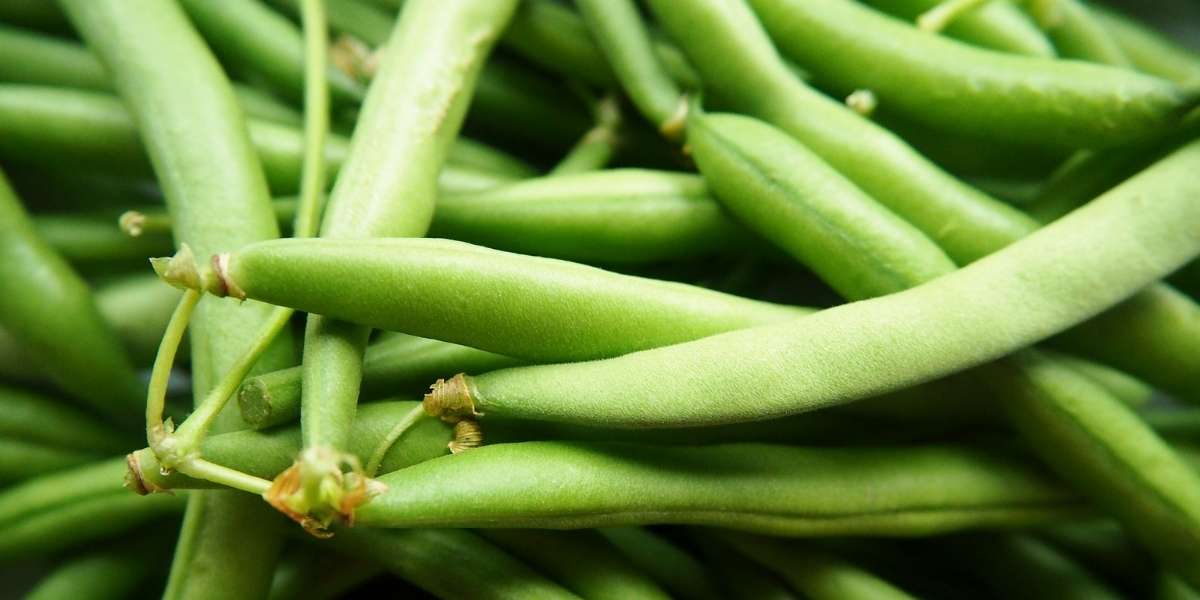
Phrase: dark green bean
(31,417)
(1149,50)
(36,58)
(1017,565)
(582,561)
(83,522)
(737,576)
(770,489)
(1105,549)
(950,85)
(675,570)
(997,25)
(308,574)
(450,563)
(112,573)
(51,312)
(815,573)
(252,38)
(1170,587)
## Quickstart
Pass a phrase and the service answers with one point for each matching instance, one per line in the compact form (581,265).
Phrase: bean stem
(402,426)
(941,16)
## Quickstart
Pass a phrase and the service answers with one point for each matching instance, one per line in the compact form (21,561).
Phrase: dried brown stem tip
(467,435)
(450,399)
(132,222)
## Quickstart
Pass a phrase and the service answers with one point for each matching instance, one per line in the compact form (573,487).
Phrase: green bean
(779,369)
(402,364)
(106,574)
(33,13)
(967,89)
(55,490)
(737,576)
(1106,450)
(28,416)
(779,490)
(90,239)
(1024,566)
(1170,587)
(1131,391)
(83,522)
(583,312)
(793,198)
(618,30)
(674,569)
(450,563)
(21,459)
(49,304)
(1078,34)
(583,561)
(971,156)
(1104,549)
(215,189)
(995,25)
(612,216)
(35,58)
(261,105)
(1148,50)
(814,573)
(251,37)
(481,157)
(597,147)
(320,575)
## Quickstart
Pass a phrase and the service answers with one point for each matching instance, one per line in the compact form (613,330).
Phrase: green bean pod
(1078,34)
(674,569)
(31,57)
(894,341)
(1168,586)
(793,198)
(1104,548)
(815,573)
(21,459)
(51,312)
(1016,564)
(1108,452)
(583,561)
(553,310)
(86,521)
(612,216)
(90,240)
(1149,50)
(28,416)
(739,577)
(778,490)
(313,575)
(451,563)
(954,86)
(996,25)
(215,188)
(106,574)
(251,38)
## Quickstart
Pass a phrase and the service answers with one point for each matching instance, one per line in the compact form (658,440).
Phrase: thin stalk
(161,373)
(390,439)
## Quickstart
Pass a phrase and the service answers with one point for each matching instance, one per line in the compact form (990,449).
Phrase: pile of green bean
(831,299)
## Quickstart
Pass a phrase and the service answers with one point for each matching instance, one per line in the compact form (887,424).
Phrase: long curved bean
(214,186)
(106,574)
(405,286)
(21,459)
(35,58)
(951,85)
(583,561)
(739,577)
(83,522)
(815,573)
(996,25)
(735,56)
(48,304)
(451,563)
(895,341)
(770,489)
